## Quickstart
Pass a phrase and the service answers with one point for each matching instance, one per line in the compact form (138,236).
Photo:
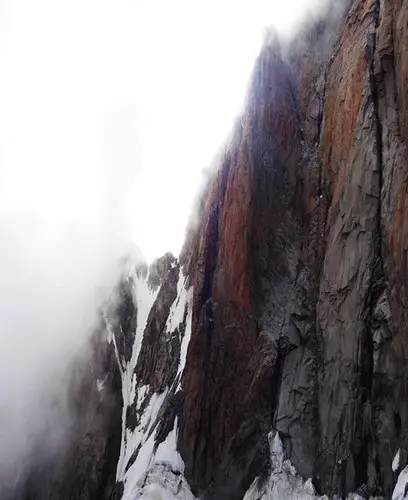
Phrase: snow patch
(161,483)
(144,298)
(284,483)
(142,439)
(401,486)
(100,384)
(396,460)
(143,463)
(276,447)
(141,480)
(177,309)
(180,306)
(141,394)
(167,451)
(187,336)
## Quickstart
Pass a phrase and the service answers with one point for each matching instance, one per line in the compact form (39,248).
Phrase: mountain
(270,360)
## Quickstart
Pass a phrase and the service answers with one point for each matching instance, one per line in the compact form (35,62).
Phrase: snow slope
(145,298)
(284,483)
(151,470)
(401,488)
(162,483)
(146,468)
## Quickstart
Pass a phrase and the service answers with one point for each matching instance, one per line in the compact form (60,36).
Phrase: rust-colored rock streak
(300,271)
(249,211)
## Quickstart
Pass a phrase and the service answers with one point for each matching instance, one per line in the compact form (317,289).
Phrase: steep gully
(287,309)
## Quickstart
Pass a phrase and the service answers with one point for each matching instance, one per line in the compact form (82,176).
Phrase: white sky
(139,93)
(109,111)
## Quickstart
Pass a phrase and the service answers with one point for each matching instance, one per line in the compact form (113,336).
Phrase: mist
(68,161)
(110,112)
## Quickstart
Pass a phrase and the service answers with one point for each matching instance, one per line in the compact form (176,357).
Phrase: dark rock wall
(241,303)
(299,267)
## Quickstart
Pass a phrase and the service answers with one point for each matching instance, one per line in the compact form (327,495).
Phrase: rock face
(299,268)
(244,273)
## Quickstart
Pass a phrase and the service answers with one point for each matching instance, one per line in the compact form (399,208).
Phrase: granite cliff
(287,310)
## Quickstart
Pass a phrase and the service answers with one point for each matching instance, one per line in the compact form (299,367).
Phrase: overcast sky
(109,111)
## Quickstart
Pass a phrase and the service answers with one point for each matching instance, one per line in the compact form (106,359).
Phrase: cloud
(109,112)
(68,164)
